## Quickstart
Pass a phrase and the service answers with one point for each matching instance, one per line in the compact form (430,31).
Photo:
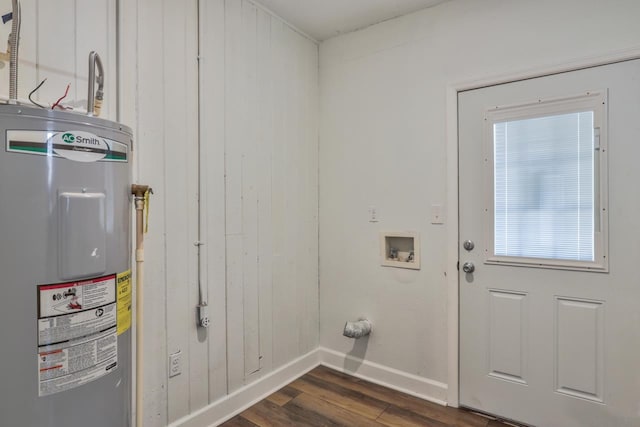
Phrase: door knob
(468,267)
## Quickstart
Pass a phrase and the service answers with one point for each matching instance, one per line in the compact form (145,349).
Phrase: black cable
(34,91)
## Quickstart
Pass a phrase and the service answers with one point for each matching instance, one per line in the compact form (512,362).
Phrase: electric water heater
(65,280)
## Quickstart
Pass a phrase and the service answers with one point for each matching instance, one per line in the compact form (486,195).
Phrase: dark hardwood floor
(324,397)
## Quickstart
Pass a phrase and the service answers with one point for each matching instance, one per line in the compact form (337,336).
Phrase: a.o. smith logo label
(79,146)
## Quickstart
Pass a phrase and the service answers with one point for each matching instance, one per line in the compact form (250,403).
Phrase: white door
(550,197)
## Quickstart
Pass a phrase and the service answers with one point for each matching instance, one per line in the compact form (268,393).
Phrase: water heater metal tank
(65,288)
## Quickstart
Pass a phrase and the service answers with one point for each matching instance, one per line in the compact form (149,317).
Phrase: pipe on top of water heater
(94,99)
(13,58)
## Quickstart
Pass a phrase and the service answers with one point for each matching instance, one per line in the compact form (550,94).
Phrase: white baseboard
(236,402)
(220,411)
(423,388)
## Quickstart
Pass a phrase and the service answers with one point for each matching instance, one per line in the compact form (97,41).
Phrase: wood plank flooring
(324,397)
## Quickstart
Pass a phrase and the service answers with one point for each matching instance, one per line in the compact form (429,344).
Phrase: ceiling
(322,19)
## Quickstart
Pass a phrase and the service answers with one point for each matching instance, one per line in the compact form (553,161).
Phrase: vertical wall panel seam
(74,87)
(257,261)
(272,139)
(224,150)
(256,177)
(164,186)
(117,60)
(114,99)
(224,147)
(317,138)
(185,117)
(137,86)
(242,200)
(38,42)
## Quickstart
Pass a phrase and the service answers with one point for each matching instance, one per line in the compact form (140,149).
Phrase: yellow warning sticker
(123,281)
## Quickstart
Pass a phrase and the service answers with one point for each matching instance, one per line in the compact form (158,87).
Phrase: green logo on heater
(68,138)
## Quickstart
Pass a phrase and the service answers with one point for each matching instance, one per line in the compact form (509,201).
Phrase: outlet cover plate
(175,364)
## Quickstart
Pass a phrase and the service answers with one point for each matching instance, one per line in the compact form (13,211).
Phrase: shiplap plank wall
(212,169)
(258,169)
(58,65)
(265,120)
(212,196)
(265,137)
(180,121)
(258,194)
(151,155)
(234,140)
(249,174)
(294,205)
(263,95)
(102,20)
(29,67)
(55,41)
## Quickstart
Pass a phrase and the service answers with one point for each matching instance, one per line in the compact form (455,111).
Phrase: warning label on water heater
(124,301)
(77,333)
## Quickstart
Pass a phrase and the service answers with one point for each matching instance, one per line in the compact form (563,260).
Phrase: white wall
(259,193)
(55,41)
(382,113)
(383,143)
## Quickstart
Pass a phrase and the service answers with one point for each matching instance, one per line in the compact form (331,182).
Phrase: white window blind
(544,187)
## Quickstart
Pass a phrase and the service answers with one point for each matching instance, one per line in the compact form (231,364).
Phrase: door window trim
(595,101)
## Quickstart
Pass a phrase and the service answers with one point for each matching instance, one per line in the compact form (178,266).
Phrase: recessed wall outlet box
(400,249)
(175,364)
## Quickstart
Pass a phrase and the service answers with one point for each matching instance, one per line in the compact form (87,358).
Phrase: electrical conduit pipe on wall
(141,195)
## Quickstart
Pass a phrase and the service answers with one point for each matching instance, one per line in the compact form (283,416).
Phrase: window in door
(546,168)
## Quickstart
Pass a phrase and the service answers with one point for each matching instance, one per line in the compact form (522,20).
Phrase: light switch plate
(437,214)
(373,214)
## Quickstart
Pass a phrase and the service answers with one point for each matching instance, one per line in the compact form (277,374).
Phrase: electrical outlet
(175,364)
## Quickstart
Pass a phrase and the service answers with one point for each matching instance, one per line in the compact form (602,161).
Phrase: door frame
(453,235)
